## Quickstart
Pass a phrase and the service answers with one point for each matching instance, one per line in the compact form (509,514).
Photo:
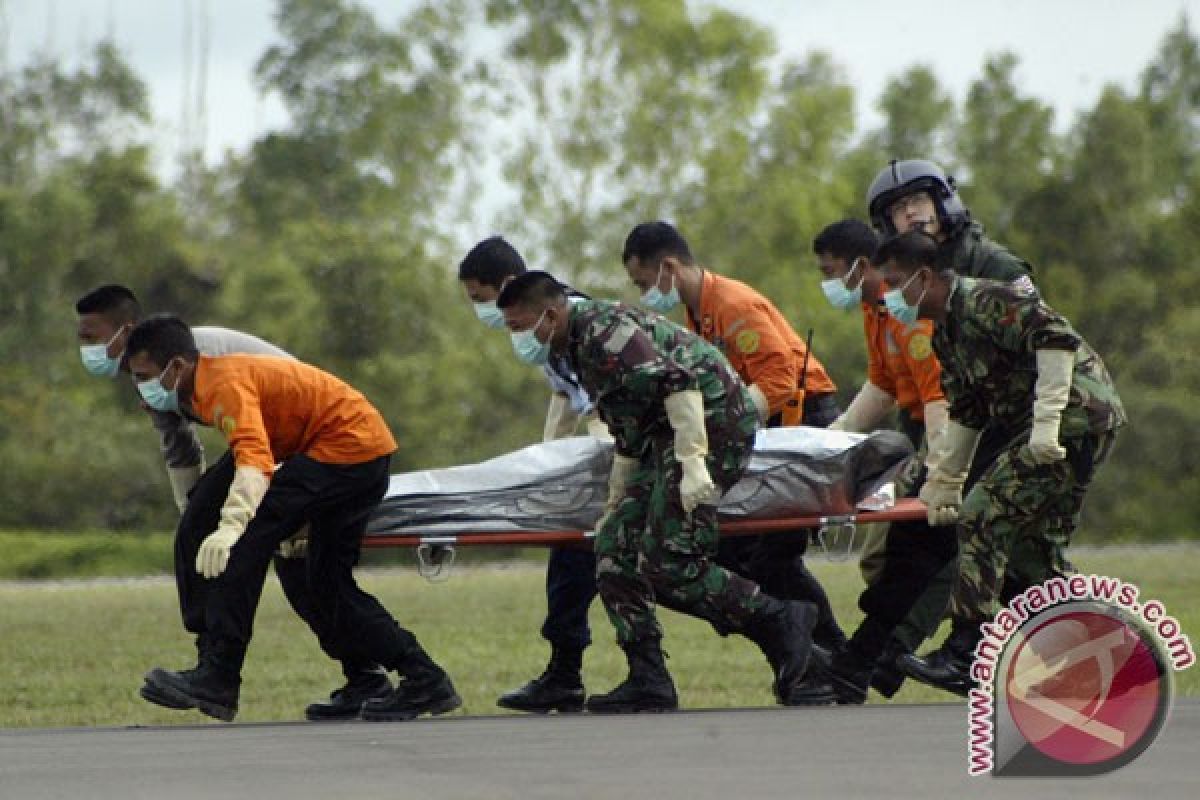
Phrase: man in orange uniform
(768,355)
(902,374)
(335,450)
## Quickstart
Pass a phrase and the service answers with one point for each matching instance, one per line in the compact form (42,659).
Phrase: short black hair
(910,251)
(535,288)
(162,337)
(653,241)
(113,301)
(848,239)
(492,261)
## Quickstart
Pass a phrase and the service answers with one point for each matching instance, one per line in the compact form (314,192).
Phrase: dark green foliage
(337,236)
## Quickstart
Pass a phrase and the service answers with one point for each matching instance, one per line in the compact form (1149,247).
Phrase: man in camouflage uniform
(1012,363)
(683,424)
(915,194)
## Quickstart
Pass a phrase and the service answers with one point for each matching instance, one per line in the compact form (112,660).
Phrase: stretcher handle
(434,561)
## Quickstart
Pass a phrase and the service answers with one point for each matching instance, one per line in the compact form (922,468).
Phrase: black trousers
(776,561)
(570,588)
(915,552)
(350,624)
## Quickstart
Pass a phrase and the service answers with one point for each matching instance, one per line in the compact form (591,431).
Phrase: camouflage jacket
(987,345)
(630,360)
(972,254)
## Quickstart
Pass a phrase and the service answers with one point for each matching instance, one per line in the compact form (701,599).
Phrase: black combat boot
(205,688)
(362,684)
(424,688)
(212,687)
(843,680)
(888,677)
(783,631)
(949,667)
(648,688)
(850,675)
(559,688)
(149,692)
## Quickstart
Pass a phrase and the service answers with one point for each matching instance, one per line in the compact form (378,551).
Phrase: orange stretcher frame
(907,508)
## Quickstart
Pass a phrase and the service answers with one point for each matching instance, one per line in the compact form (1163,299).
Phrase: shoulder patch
(919,347)
(223,422)
(1024,285)
(747,341)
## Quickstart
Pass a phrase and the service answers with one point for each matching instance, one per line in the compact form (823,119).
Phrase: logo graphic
(747,341)
(1073,677)
(919,347)
(1081,690)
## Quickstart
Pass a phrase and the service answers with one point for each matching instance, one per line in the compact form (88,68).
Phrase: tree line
(337,235)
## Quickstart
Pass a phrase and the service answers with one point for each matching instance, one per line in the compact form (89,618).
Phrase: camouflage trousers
(1019,517)
(648,550)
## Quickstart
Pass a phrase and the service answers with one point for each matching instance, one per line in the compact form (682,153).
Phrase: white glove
(685,412)
(1051,393)
(623,468)
(865,411)
(760,403)
(296,545)
(597,429)
(937,417)
(245,493)
(561,420)
(948,467)
(182,480)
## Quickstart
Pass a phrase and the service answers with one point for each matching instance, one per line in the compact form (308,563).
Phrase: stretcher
(551,494)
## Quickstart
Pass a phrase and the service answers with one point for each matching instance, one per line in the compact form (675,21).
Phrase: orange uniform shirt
(269,409)
(757,339)
(900,360)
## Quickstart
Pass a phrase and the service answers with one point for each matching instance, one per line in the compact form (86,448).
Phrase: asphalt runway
(870,751)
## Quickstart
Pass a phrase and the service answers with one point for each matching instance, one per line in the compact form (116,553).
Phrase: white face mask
(528,347)
(96,359)
(655,299)
(489,315)
(900,308)
(839,295)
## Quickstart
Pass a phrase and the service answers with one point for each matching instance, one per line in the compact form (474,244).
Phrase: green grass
(75,652)
(35,555)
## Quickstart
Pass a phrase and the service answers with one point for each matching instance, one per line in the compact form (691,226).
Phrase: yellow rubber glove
(948,466)
(561,420)
(937,417)
(1051,393)
(685,412)
(182,480)
(866,410)
(622,470)
(760,403)
(596,428)
(245,493)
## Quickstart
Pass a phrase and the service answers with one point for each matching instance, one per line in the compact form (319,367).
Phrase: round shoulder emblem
(919,346)
(747,341)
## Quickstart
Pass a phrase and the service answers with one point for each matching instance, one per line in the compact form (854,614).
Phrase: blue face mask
(900,308)
(158,396)
(838,295)
(528,347)
(655,299)
(96,359)
(489,315)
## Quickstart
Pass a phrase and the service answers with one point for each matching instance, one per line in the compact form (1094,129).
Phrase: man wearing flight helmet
(917,194)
